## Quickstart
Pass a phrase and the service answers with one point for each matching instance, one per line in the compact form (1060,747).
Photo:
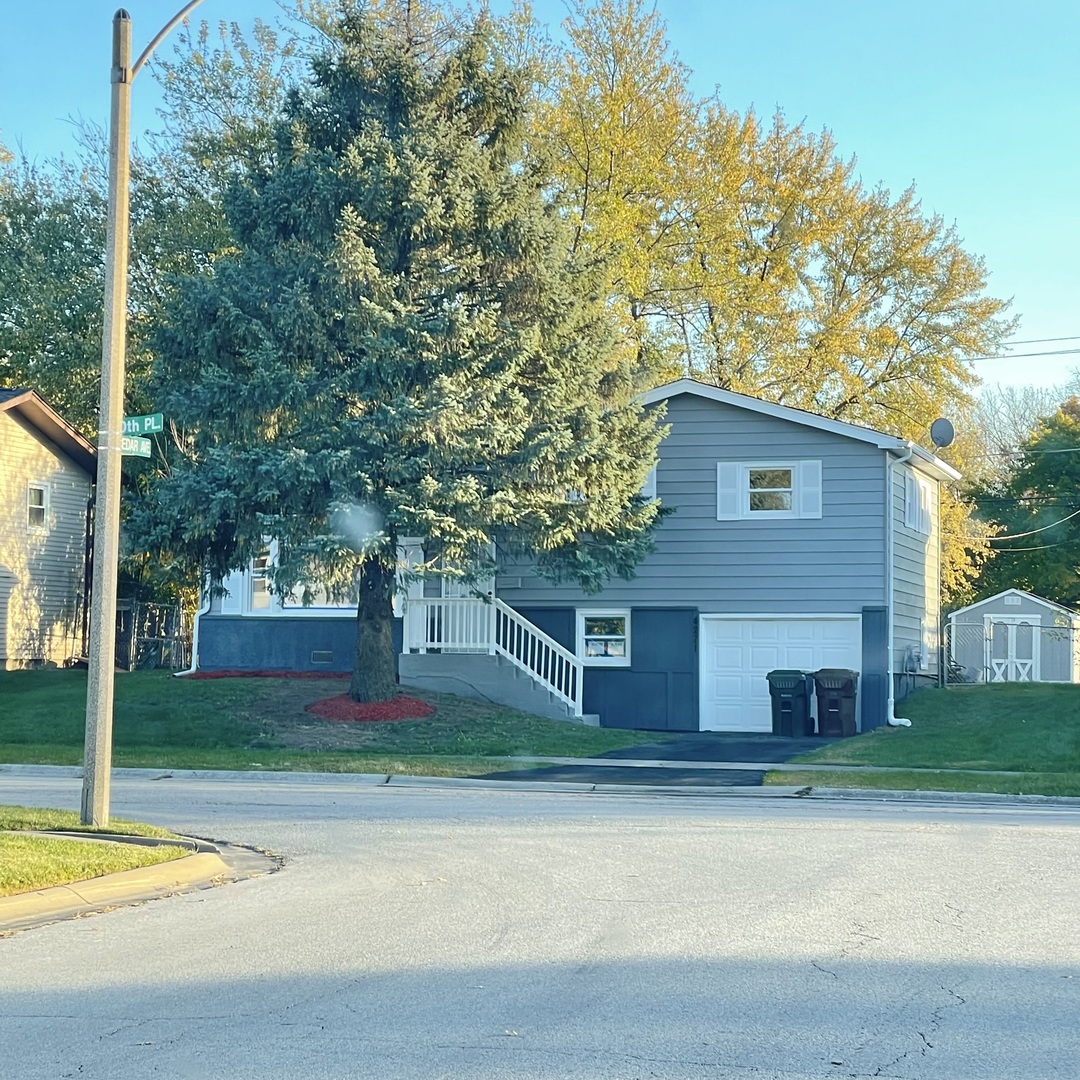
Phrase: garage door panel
(800,657)
(726,656)
(761,655)
(738,653)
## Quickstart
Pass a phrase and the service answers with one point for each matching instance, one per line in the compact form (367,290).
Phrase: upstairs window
(37,507)
(748,490)
(770,489)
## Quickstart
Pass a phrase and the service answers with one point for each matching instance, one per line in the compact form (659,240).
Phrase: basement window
(603,638)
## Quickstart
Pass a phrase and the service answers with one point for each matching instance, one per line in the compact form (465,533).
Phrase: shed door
(737,654)
(1012,648)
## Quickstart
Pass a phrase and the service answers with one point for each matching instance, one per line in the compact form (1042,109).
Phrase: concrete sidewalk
(700,759)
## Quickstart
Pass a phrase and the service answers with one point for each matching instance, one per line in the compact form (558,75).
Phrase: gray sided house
(795,541)
(1014,636)
(47,472)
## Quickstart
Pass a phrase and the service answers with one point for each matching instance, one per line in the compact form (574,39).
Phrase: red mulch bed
(237,674)
(344,708)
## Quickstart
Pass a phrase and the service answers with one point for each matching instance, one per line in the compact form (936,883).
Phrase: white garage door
(737,653)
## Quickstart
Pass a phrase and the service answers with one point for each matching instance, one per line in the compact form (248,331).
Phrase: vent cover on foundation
(322,656)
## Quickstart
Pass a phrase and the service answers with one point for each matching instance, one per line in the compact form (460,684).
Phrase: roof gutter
(890,577)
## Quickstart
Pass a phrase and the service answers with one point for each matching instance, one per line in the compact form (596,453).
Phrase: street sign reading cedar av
(144,425)
(133,446)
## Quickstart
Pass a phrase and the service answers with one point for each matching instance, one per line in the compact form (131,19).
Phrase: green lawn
(1020,727)
(28,862)
(165,722)
(1029,783)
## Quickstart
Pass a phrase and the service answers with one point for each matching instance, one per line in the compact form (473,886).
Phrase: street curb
(555,786)
(24,910)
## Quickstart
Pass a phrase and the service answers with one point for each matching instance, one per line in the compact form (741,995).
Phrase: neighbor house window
(918,499)
(318,595)
(260,581)
(37,507)
(604,638)
(751,489)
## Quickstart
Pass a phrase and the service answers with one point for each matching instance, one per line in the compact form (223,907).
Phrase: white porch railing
(471,625)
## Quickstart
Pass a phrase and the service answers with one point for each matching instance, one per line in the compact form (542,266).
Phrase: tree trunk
(374,677)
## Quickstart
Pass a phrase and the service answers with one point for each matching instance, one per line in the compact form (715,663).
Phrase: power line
(1032,532)
(1041,340)
(1037,547)
(1019,450)
(1019,355)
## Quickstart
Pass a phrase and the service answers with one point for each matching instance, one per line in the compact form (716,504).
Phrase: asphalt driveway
(691,747)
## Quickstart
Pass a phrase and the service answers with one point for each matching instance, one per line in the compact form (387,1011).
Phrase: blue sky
(978,104)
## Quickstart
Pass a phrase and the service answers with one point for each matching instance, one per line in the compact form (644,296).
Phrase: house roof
(36,411)
(1049,604)
(922,459)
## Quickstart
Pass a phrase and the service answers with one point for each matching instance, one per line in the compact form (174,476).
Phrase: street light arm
(162,33)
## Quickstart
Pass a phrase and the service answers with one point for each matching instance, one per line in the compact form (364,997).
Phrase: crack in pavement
(937,1017)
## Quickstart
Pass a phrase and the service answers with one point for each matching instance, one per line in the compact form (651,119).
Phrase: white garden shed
(1014,636)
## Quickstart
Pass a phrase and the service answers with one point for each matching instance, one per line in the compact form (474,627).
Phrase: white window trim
(43,487)
(733,490)
(602,613)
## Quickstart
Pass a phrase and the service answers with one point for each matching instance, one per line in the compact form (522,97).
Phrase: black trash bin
(837,690)
(790,693)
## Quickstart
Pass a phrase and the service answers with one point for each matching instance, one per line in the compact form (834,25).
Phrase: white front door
(737,652)
(1012,648)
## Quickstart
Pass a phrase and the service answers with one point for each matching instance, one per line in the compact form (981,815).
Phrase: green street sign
(144,425)
(133,446)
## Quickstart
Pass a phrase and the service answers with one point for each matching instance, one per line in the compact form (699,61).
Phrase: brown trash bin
(837,698)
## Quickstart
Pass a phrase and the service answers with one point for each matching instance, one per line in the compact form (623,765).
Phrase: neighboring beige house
(47,472)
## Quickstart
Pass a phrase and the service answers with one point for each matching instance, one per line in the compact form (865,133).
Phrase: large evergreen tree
(401,329)
(1035,508)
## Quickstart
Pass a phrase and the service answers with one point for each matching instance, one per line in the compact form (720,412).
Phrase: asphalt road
(510,935)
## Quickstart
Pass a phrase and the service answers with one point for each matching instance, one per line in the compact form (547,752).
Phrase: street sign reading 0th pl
(153,424)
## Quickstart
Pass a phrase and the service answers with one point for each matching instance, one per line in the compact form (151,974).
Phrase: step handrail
(527,647)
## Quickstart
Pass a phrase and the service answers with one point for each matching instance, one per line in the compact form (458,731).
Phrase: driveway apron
(692,747)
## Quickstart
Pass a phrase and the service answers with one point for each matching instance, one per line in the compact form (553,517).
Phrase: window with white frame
(318,595)
(37,507)
(918,500)
(747,490)
(603,638)
(260,581)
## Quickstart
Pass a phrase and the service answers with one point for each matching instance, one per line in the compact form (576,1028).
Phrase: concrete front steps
(485,678)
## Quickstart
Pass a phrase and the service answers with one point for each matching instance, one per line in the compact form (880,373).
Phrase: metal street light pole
(97,760)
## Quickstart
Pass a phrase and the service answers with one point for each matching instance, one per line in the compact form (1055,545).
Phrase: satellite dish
(941,433)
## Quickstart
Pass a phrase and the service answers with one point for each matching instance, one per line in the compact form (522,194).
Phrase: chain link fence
(152,636)
(1010,651)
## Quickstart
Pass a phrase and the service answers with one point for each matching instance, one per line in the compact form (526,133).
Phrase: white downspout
(890,577)
(199,613)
